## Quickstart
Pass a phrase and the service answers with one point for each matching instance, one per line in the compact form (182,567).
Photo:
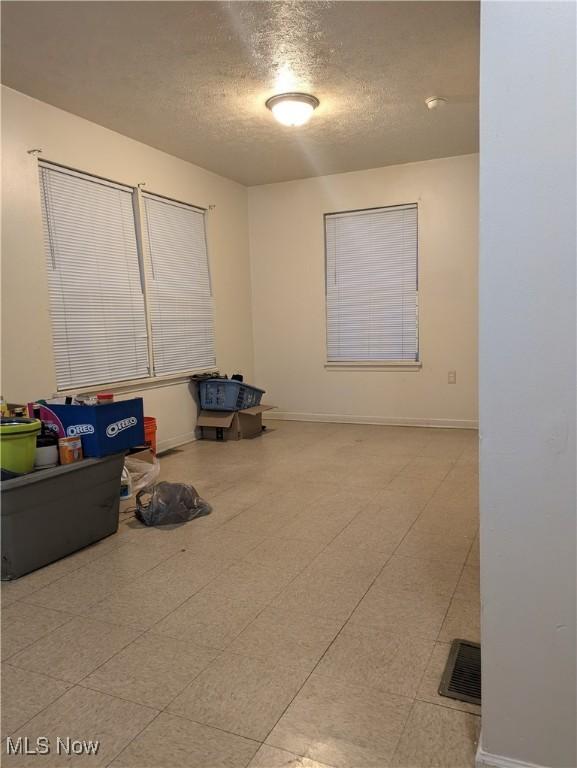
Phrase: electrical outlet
(452,377)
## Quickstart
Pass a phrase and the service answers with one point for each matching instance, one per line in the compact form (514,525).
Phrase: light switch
(452,377)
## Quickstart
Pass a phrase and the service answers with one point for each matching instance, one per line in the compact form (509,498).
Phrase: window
(106,297)
(96,297)
(371,285)
(179,286)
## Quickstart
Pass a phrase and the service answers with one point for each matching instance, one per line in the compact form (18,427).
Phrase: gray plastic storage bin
(52,513)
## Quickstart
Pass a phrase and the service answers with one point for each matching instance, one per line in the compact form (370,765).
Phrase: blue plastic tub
(228,395)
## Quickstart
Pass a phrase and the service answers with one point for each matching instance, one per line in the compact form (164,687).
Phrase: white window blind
(371,285)
(179,290)
(96,299)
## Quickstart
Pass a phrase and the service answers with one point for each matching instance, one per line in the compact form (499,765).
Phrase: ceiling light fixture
(292,108)
(435,102)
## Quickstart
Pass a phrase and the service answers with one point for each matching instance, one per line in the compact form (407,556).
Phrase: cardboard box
(104,429)
(232,425)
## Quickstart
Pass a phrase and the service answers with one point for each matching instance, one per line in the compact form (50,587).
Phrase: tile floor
(305,622)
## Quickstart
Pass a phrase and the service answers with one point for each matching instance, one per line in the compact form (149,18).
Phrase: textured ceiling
(191,78)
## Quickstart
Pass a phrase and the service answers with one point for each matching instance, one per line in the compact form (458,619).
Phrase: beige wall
(28,370)
(287,261)
(287,308)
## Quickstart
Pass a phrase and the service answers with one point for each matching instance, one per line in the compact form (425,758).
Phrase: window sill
(136,385)
(385,365)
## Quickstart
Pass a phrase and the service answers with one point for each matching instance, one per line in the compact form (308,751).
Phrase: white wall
(288,284)
(28,369)
(528,383)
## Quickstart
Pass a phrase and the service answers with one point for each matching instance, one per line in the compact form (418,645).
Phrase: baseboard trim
(175,442)
(487,760)
(334,418)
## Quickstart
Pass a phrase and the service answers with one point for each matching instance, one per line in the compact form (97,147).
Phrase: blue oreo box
(104,429)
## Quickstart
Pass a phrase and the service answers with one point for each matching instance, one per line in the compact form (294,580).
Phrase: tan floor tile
(444,444)
(131,607)
(262,520)
(468,586)
(372,552)
(463,621)
(342,725)
(429,687)
(12,591)
(174,742)
(74,649)
(404,498)
(329,597)
(138,556)
(185,566)
(131,530)
(473,558)
(84,715)
(345,564)
(32,582)
(24,694)
(165,537)
(78,591)
(437,737)
(23,624)
(428,467)
(370,657)
(271,757)
(241,695)
(247,581)
(465,476)
(285,554)
(414,574)
(402,612)
(210,620)
(458,491)
(239,497)
(275,510)
(457,520)
(447,547)
(152,670)
(354,452)
(374,474)
(469,458)
(418,574)
(376,528)
(287,636)
(419,489)
(339,501)
(158,592)
(320,527)
(308,502)
(223,544)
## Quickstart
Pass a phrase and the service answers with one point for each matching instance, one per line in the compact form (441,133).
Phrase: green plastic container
(18,444)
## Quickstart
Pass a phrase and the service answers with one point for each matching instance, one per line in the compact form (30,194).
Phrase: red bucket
(150,433)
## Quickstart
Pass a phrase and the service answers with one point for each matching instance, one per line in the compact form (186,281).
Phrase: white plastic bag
(142,473)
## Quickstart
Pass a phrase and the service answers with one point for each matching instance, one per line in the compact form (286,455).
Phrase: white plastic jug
(125,484)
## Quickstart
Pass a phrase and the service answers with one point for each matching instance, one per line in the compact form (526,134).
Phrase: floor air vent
(462,676)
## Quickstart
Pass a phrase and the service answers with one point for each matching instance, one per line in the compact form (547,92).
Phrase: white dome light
(435,102)
(292,108)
